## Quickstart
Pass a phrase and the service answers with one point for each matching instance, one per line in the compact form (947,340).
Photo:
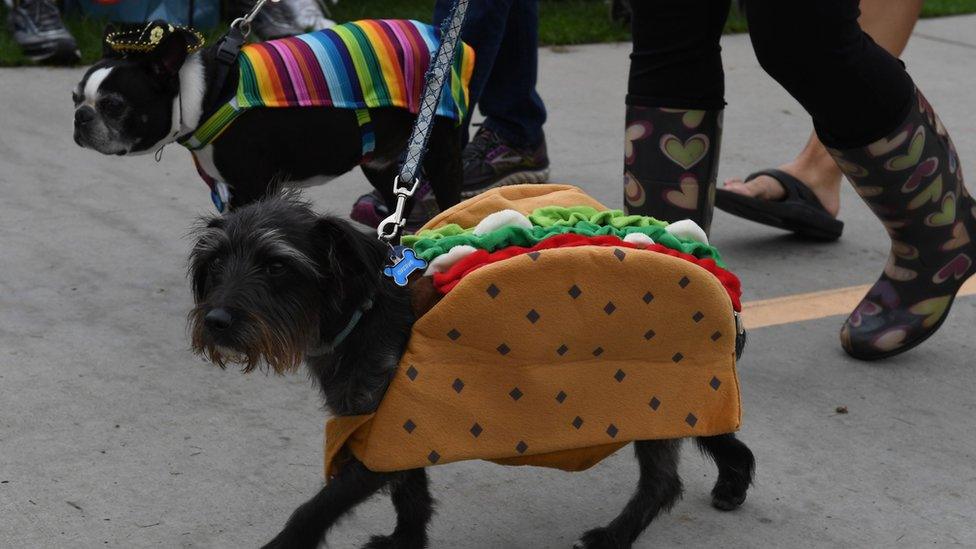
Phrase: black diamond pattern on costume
(649,335)
(521,447)
(612,430)
(412,373)
(697,317)
(493,291)
(515,393)
(654,404)
(476,430)
(677,357)
(691,419)
(503,349)
(648,297)
(534,255)
(533,316)
(598,351)
(714,383)
(684,282)
(562,350)
(433,456)
(619,253)
(575,291)
(578,422)
(454,334)
(409,426)
(561,397)
(716,336)
(619,376)
(609,308)
(457,385)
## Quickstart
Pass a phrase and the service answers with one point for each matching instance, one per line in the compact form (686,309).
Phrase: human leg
(887,140)
(675,96)
(890,24)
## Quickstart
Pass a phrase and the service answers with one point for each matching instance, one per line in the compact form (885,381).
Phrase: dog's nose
(84,115)
(218,319)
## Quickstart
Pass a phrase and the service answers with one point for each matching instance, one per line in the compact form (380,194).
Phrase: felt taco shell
(556,358)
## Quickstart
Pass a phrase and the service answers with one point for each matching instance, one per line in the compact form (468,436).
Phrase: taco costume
(359,65)
(564,331)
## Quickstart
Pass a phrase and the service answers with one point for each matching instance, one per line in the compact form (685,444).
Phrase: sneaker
(370,209)
(310,15)
(37,28)
(275,20)
(490,162)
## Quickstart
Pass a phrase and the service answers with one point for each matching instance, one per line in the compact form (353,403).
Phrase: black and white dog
(275,284)
(135,104)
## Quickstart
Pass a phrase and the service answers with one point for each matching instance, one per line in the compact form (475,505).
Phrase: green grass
(942,8)
(560,22)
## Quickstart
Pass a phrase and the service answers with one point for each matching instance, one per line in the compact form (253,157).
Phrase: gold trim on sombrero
(146,39)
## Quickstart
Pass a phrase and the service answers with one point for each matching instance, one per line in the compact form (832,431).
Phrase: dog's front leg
(414,506)
(309,523)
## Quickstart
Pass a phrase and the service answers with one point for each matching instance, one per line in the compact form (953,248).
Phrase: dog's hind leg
(309,523)
(414,507)
(658,489)
(443,163)
(736,465)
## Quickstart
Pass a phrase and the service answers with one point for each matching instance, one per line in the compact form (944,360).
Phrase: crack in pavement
(944,40)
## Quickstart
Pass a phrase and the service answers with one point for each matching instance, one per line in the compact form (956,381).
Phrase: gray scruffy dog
(276,284)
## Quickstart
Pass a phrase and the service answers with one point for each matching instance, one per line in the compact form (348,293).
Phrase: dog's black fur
(125,105)
(273,280)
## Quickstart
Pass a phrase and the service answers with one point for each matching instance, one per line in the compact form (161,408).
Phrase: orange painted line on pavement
(811,306)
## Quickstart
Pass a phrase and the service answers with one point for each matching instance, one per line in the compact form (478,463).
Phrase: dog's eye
(215,264)
(110,106)
(75,97)
(274,268)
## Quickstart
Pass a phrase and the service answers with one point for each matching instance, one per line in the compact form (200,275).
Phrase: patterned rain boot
(913,182)
(671,162)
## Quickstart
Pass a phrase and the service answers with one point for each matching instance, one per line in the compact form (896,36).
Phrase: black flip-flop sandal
(800,212)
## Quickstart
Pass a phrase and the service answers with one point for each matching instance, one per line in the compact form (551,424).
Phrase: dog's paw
(395,542)
(728,495)
(599,538)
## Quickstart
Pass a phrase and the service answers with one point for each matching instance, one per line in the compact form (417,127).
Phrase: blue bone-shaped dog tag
(405,262)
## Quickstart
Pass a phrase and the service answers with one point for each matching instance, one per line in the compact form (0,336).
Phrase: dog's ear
(167,57)
(350,253)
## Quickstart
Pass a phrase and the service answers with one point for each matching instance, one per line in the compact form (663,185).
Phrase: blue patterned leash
(402,260)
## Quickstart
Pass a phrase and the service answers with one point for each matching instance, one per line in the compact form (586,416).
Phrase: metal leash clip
(740,336)
(389,228)
(243,24)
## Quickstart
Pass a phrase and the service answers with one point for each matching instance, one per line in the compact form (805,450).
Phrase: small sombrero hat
(144,37)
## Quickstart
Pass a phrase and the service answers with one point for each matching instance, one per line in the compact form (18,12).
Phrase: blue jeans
(505,38)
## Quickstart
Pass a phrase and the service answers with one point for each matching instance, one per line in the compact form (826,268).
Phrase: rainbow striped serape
(359,65)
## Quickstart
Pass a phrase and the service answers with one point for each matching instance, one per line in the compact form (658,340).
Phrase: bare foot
(821,177)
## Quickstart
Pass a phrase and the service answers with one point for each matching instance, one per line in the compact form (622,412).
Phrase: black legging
(855,91)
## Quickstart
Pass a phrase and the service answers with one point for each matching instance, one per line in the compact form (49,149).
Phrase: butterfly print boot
(913,182)
(671,162)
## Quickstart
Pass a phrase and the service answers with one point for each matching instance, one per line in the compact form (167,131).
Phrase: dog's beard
(256,342)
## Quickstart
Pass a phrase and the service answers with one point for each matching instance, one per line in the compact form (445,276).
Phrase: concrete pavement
(112,434)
